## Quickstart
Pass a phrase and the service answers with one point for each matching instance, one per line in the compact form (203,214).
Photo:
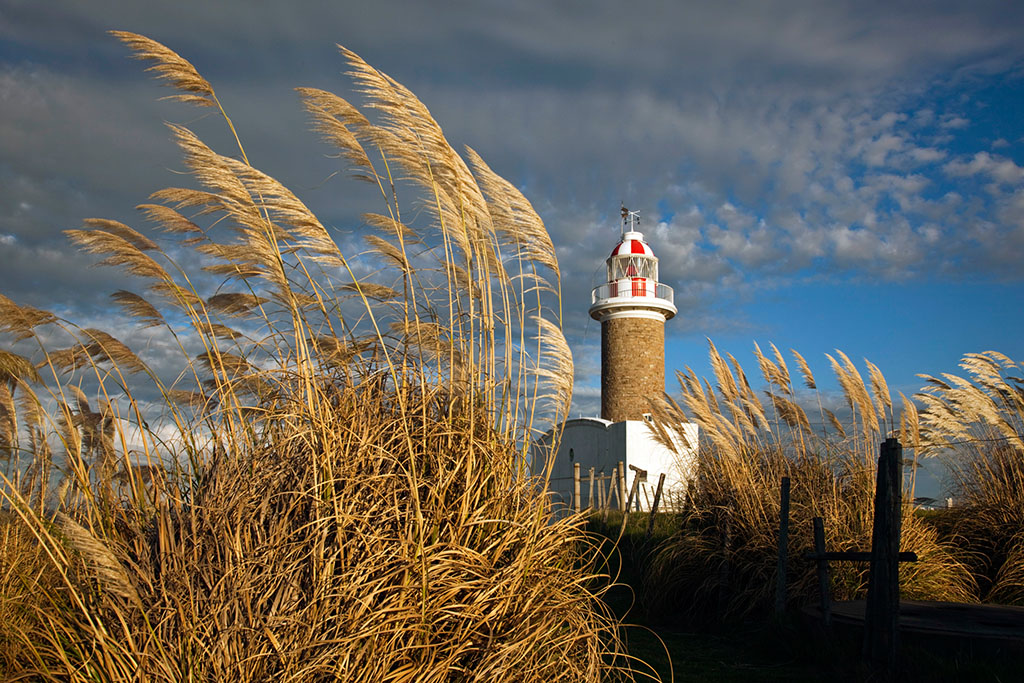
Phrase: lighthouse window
(572,455)
(632,266)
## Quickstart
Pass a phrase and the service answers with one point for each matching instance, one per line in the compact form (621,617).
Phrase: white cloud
(998,168)
(878,150)
(852,246)
(925,155)
(795,141)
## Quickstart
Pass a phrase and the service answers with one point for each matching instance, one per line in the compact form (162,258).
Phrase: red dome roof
(632,244)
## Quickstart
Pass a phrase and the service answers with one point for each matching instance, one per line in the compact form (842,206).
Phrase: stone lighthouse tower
(632,307)
(620,448)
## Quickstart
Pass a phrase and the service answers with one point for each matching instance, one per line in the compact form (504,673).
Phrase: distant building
(632,307)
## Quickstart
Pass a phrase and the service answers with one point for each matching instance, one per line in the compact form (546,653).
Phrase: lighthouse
(615,460)
(632,307)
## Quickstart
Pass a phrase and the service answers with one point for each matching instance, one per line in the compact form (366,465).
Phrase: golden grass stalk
(976,424)
(722,562)
(120,252)
(110,574)
(880,390)
(805,370)
(171,67)
(105,348)
(139,308)
(332,487)
(21,321)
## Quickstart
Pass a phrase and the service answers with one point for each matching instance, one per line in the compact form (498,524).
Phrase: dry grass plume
(331,486)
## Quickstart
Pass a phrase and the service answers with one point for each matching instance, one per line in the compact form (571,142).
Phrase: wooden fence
(882,608)
(598,490)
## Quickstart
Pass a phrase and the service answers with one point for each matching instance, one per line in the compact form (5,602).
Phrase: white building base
(601,445)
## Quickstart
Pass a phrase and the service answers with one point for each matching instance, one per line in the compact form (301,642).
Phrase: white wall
(597,443)
(644,452)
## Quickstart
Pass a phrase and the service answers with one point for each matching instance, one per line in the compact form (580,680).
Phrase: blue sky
(816,174)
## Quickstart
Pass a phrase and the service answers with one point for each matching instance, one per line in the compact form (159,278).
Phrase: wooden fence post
(780,585)
(590,501)
(613,487)
(654,507)
(622,486)
(633,494)
(607,496)
(882,611)
(629,502)
(824,578)
(576,487)
(639,477)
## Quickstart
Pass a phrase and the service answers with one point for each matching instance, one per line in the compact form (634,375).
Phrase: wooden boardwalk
(954,619)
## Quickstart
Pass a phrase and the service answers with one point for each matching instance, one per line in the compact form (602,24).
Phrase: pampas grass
(976,423)
(332,487)
(722,563)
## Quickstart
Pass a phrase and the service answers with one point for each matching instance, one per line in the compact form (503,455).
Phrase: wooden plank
(856,556)
(639,472)
(992,624)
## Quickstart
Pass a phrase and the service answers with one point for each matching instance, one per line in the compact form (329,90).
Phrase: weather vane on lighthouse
(633,217)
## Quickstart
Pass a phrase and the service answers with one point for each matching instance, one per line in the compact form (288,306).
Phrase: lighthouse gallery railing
(638,288)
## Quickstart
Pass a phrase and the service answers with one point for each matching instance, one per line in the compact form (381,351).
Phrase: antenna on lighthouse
(625,215)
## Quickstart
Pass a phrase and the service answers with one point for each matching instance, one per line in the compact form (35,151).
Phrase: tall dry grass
(976,423)
(332,488)
(722,563)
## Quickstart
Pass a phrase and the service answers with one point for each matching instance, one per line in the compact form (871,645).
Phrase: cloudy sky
(814,174)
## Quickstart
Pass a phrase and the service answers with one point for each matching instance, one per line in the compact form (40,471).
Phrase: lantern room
(631,287)
(632,268)
(632,258)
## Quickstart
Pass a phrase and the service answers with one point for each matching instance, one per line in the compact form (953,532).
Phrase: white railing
(638,288)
